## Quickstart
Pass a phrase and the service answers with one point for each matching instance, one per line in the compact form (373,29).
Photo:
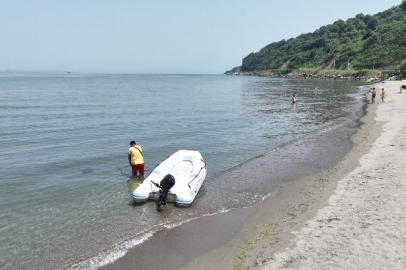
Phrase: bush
(402,68)
(362,72)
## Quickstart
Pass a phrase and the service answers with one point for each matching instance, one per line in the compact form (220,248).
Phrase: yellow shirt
(136,156)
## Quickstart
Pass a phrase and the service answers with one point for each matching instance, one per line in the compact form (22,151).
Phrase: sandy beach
(363,224)
(350,217)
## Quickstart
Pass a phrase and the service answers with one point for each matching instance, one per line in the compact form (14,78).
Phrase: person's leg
(134,169)
(141,168)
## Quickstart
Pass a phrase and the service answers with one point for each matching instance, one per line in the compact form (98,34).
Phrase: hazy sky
(178,36)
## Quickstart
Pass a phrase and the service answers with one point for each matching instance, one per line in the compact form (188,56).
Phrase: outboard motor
(166,184)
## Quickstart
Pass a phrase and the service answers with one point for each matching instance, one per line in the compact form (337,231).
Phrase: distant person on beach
(136,159)
(373,91)
(383,95)
(293,99)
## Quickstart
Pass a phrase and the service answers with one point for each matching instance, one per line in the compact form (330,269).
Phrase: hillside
(363,42)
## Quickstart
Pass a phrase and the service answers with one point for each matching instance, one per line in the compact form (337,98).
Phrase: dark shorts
(138,167)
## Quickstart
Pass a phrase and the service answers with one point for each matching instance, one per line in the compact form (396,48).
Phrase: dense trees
(362,42)
(402,67)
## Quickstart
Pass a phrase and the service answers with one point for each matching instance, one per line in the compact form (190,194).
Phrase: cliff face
(362,42)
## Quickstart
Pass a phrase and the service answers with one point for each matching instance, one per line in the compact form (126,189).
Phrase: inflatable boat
(176,179)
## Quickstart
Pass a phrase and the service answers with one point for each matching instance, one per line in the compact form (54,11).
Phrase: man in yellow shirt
(136,159)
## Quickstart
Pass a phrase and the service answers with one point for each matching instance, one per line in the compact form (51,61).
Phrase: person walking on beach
(383,95)
(136,159)
(373,91)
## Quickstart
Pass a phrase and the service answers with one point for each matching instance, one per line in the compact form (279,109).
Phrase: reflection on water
(133,182)
(74,196)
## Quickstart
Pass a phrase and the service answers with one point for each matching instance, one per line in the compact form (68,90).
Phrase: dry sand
(364,224)
(350,217)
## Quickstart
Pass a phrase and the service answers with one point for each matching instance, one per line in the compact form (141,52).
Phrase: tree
(403,6)
(372,24)
(378,39)
(402,68)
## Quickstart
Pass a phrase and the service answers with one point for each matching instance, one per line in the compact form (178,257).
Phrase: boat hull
(189,170)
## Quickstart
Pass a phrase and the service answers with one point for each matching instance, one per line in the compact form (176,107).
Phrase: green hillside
(362,42)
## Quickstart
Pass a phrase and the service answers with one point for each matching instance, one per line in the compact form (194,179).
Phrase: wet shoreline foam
(110,256)
(117,252)
(313,155)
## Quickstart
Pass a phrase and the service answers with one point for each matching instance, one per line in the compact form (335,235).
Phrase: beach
(254,141)
(301,169)
(225,240)
(362,225)
(350,217)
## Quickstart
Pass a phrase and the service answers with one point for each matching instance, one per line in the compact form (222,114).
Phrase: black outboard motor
(166,184)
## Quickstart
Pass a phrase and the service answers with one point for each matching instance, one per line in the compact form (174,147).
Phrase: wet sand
(177,247)
(278,232)
(350,217)
(362,224)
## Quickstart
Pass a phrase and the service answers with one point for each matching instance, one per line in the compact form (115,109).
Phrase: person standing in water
(373,92)
(136,159)
(293,99)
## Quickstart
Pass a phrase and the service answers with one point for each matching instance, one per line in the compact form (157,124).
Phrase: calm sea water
(65,190)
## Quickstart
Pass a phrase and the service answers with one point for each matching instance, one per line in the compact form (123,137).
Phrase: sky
(157,36)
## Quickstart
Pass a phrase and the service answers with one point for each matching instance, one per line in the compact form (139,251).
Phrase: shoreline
(361,225)
(214,242)
(269,229)
(339,219)
(323,74)
(369,76)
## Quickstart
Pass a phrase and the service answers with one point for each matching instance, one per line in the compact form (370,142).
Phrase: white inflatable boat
(186,171)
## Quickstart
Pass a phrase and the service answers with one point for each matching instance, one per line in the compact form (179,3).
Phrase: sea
(65,184)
